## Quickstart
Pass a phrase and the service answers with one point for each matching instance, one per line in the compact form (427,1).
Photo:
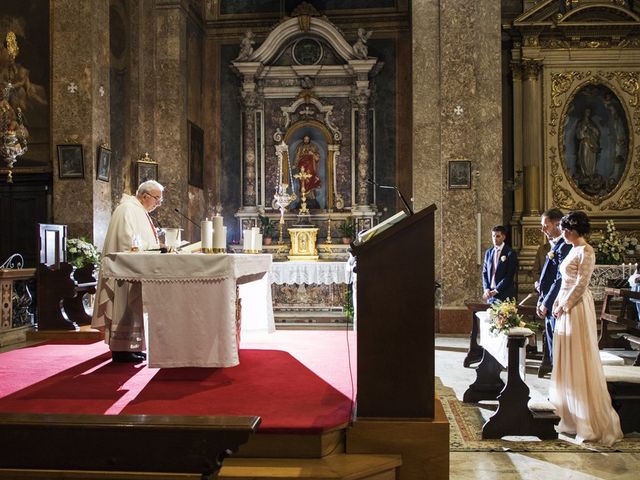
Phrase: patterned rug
(465,432)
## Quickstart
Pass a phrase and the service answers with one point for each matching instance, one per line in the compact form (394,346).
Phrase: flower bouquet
(504,316)
(81,252)
(610,249)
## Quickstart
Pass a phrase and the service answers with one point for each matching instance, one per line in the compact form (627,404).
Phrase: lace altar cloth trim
(602,274)
(182,268)
(309,273)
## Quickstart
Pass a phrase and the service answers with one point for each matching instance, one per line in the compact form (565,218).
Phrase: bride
(578,388)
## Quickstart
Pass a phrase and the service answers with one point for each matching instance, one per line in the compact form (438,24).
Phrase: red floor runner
(80,378)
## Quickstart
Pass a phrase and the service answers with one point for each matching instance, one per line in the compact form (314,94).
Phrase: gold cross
(303,176)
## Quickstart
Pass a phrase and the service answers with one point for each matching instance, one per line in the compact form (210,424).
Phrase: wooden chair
(54,278)
(619,308)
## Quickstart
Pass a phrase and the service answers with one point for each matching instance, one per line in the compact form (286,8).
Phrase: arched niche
(595,141)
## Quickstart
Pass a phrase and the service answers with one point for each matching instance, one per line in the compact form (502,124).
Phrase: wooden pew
(619,308)
(123,443)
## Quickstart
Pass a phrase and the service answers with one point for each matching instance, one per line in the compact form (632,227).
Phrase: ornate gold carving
(632,42)
(629,82)
(12,45)
(630,196)
(532,236)
(516,70)
(531,41)
(554,43)
(560,84)
(562,197)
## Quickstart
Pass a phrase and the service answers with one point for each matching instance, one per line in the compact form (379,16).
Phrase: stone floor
(450,352)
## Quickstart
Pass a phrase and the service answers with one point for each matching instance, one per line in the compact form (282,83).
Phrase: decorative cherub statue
(246,45)
(360,47)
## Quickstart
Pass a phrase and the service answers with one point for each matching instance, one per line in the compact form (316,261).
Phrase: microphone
(407,208)
(184,216)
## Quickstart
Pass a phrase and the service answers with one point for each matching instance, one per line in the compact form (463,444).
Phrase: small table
(513,416)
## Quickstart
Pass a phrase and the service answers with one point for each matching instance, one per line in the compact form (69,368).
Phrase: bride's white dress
(578,387)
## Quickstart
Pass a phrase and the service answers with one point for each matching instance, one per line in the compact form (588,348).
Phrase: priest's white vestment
(122,319)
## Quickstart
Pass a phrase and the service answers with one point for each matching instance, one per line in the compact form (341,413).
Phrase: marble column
(362,152)
(80,111)
(249,179)
(170,115)
(532,137)
(518,167)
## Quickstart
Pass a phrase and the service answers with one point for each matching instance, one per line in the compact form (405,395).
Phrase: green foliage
(347,306)
(267,226)
(348,228)
(81,252)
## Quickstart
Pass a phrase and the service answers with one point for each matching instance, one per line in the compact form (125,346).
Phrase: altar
(309,293)
(190,304)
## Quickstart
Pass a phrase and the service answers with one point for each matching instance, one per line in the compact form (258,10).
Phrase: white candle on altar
(219,237)
(255,231)
(246,240)
(206,235)
(259,242)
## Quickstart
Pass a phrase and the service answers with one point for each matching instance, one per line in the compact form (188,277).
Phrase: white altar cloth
(189,301)
(496,343)
(309,273)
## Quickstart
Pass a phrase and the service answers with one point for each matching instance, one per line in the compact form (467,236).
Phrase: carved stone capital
(516,70)
(531,68)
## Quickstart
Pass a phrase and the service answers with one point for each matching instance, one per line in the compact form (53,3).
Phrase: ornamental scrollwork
(560,84)
(532,236)
(630,196)
(629,82)
(562,197)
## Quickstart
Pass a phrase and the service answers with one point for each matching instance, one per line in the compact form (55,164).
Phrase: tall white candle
(219,238)
(206,233)
(246,240)
(259,242)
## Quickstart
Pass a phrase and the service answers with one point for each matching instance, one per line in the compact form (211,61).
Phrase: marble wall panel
(456,71)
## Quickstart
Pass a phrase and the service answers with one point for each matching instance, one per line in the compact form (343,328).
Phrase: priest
(118,307)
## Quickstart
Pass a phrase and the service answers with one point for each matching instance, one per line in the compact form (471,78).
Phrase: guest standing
(578,388)
(500,267)
(550,279)
(130,228)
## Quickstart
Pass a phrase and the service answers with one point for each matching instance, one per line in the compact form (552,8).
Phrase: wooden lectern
(396,313)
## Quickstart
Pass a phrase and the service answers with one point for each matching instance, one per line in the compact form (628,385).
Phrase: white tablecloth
(308,273)
(189,301)
(496,343)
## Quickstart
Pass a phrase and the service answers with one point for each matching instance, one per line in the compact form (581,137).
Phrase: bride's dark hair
(577,221)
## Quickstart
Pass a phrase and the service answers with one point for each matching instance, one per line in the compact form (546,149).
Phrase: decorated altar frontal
(309,294)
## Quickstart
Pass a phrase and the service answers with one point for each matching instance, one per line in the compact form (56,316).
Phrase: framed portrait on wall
(459,174)
(70,161)
(103,168)
(196,155)
(146,169)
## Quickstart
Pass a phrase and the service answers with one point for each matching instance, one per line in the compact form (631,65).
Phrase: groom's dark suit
(549,286)
(505,272)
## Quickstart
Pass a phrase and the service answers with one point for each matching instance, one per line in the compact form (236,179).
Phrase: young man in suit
(550,280)
(500,267)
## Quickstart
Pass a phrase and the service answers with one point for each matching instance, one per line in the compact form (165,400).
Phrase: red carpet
(80,378)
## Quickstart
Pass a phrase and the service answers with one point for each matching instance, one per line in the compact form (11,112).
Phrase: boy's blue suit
(549,286)
(505,273)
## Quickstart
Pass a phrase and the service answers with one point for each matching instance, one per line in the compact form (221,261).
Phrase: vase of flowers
(83,255)
(504,316)
(610,249)
(630,245)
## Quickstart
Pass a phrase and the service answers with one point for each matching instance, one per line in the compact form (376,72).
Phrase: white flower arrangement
(610,249)
(629,243)
(81,252)
(550,255)
(503,258)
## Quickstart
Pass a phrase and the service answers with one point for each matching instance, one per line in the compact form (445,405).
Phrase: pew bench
(120,443)
(623,383)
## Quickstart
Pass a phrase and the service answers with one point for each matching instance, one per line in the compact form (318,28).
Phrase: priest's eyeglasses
(157,199)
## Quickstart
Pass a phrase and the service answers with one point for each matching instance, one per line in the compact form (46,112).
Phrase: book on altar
(381,227)
(191,247)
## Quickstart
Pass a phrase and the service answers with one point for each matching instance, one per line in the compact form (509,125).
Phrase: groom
(500,267)
(550,280)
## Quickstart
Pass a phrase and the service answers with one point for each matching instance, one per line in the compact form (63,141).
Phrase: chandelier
(13,133)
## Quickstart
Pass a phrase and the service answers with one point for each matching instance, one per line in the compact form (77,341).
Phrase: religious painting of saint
(596,140)
(308,160)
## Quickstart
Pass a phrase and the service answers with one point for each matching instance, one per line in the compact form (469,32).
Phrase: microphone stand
(184,216)
(407,208)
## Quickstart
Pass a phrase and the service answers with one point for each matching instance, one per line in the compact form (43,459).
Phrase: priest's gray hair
(148,187)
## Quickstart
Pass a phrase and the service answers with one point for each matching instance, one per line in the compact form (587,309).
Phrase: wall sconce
(515,183)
